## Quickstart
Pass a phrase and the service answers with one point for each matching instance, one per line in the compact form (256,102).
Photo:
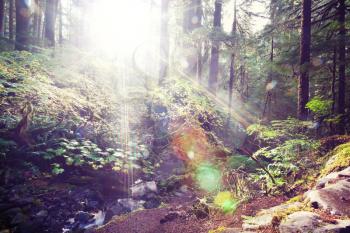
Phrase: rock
(118,209)
(334,198)
(83,217)
(265,217)
(301,221)
(5,231)
(152,203)
(200,210)
(19,218)
(342,226)
(12,212)
(171,216)
(131,204)
(141,189)
(42,213)
(171,165)
(258,222)
(5,206)
(333,178)
(92,205)
(235,230)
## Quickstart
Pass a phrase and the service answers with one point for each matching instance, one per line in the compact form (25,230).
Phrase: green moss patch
(340,159)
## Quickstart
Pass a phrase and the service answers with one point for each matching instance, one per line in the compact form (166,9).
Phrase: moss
(298,198)
(220,229)
(339,159)
(279,216)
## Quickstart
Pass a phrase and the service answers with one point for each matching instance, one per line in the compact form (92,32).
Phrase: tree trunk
(22,24)
(214,61)
(342,67)
(35,20)
(11,9)
(334,79)
(199,62)
(305,42)
(232,64)
(2,14)
(50,22)
(164,42)
(60,28)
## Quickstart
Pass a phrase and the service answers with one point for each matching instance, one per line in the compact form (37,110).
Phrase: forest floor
(179,217)
(79,156)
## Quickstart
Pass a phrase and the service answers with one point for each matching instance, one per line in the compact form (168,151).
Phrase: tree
(2,14)
(164,41)
(214,60)
(60,27)
(192,20)
(342,61)
(305,43)
(22,24)
(50,22)
(11,9)
(232,64)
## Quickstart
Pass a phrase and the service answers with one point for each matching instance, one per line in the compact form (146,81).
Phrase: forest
(174,116)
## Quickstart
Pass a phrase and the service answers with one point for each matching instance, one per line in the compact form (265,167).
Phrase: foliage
(84,152)
(319,106)
(241,162)
(340,159)
(281,130)
(287,152)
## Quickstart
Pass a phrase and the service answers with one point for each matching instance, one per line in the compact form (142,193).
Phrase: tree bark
(214,61)
(50,22)
(11,9)
(334,79)
(164,41)
(36,19)
(342,61)
(2,16)
(60,28)
(22,24)
(232,64)
(305,43)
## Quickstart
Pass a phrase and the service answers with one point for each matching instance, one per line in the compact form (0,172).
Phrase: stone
(258,222)
(334,198)
(83,217)
(141,189)
(12,212)
(19,218)
(42,213)
(118,209)
(265,217)
(342,226)
(171,216)
(131,204)
(332,178)
(301,221)
(152,203)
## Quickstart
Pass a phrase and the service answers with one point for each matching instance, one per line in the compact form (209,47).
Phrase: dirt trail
(177,218)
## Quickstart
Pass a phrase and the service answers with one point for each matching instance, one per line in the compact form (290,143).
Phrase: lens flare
(226,202)
(208,177)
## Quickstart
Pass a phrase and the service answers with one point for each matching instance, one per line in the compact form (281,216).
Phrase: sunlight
(119,27)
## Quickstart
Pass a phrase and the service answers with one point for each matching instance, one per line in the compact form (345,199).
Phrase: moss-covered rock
(340,159)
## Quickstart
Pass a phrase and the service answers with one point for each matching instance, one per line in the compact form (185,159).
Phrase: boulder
(143,188)
(332,193)
(301,221)
(131,204)
(342,226)
(265,217)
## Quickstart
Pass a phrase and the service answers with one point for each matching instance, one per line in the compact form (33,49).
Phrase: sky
(258,23)
(122,25)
